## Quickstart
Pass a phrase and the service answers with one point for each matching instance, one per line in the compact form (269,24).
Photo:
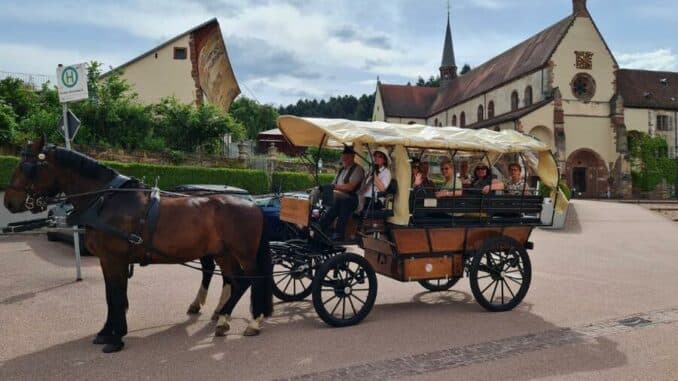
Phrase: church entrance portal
(587,174)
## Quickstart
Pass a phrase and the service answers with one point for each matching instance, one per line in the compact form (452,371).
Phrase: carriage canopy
(306,132)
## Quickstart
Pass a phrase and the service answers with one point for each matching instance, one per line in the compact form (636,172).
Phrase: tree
(343,106)
(431,82)
(189,128)
(7,123)
(465,69)
(253,116)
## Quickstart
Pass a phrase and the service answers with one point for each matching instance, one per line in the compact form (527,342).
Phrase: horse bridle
(30,170)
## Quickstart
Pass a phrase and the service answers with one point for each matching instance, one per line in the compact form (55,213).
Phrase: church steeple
(448,68)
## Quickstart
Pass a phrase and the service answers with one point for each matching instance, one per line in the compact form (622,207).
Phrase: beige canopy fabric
(305,132)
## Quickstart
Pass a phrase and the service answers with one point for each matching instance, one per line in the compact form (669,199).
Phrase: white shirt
(384,176)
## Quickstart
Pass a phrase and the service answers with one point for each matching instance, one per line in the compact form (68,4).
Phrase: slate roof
(407,101)
(522,59)
(448,48)
(648,89)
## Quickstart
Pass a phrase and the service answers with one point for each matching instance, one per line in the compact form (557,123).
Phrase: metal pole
(76,236)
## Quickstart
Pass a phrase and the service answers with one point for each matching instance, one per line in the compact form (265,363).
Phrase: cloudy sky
(283,50)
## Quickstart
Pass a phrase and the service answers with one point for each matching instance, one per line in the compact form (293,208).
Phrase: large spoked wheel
(292,275)
(442,284)
(344,290)
(500,274)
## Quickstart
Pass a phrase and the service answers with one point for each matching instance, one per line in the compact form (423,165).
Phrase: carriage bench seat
(471,208)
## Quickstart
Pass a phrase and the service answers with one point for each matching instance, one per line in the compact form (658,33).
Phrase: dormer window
(647,95)
(664,82)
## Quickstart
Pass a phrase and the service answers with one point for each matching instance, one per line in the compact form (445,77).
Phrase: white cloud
(660,59)
(42,60)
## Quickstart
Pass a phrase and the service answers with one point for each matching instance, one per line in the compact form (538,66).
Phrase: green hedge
(169,176)
(255,181)
(7,166)
(291,181)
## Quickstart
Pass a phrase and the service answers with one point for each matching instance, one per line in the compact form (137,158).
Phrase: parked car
(65,233)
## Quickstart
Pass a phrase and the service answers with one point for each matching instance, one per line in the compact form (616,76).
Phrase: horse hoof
(249,331)
(221,330)
(193,309)
(113,347)
(101,339)
(215,316)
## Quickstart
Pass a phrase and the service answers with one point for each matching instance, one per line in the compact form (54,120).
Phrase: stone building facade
(563,86)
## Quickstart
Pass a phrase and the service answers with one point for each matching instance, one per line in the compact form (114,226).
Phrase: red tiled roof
(520,60)
(645,89)
(407,101)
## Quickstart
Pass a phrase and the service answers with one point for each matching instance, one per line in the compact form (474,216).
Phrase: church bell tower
(448,68)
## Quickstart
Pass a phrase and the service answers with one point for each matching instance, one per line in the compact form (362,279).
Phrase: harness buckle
(135,239)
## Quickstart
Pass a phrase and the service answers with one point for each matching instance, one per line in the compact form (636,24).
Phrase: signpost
(72,87)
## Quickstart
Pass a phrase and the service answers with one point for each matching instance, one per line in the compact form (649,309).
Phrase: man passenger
(345,186)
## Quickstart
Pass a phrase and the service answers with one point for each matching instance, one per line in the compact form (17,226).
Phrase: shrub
(294,181)
(546,191)
(7,166)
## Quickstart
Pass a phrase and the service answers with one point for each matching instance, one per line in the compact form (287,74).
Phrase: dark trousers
(343,207)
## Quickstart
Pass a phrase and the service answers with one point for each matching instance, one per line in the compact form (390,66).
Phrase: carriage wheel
(344,290)
(442,284)
(500,274)
(292,276)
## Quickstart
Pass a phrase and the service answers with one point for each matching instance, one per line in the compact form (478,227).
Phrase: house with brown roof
(192,67)
(563,86)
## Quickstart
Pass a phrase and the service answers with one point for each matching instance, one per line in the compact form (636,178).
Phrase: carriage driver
(345,186)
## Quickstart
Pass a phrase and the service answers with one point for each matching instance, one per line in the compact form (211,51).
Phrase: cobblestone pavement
(456,357)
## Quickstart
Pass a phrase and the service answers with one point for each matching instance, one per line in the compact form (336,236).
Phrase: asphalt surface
(602,305)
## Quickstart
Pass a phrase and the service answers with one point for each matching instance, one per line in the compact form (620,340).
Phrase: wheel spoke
(282,279)
(509,288)
(329,300)
(350,298)
(488,286)
(502,291)
(515,281)
(336,306)
(352,306)
(494,291)
(288,283)
(356,296)
(343,308)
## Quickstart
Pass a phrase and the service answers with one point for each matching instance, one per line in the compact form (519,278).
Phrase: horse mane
(83,164)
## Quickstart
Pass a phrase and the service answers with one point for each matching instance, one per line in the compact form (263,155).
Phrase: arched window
(514,100)
(462,119)
(490,110)
(481,113)
(454,120)
(528,95)
(435,122)
(411,122)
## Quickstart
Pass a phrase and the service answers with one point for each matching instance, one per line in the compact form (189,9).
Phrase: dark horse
(224,227)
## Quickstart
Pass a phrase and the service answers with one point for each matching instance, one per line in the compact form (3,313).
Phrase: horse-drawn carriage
(416,236)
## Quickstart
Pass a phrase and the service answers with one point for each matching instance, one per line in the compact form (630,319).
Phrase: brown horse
(117,216)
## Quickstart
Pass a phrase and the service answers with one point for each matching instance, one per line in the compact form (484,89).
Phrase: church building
(563,86)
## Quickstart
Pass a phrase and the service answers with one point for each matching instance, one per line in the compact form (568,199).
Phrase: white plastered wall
(400,120)
(378,110)
(587,124)
(542,118)
(501,97)
(155,78)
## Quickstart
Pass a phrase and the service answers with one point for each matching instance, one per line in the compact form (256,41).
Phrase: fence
(36,80)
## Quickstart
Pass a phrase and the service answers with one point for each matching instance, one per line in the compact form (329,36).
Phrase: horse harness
(91,218)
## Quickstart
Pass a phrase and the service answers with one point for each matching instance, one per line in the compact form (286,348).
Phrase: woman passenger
(483,182)
(421,182)
(516,183)
(379,175)
(452,186)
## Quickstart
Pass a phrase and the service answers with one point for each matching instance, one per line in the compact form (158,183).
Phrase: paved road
(602,305)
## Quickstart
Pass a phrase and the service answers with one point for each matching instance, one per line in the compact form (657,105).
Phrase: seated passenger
(516,183)
(452,186)
(377,181)
(483,183)
(422,186)
(345,187)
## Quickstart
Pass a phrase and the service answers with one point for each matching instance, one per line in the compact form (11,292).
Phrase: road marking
(455,357)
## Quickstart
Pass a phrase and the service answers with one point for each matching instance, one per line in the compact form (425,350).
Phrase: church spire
(448,68)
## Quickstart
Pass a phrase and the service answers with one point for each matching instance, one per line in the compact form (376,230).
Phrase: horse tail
(262,283)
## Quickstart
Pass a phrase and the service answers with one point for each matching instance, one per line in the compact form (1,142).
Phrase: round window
(583,86)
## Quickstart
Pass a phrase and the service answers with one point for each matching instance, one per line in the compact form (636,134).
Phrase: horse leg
(115,276)
(238,287)
(208,266)
(107,331)
(262,286)
(225,295)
